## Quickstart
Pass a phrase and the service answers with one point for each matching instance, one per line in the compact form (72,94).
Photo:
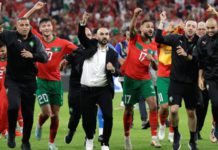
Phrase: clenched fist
(110,67)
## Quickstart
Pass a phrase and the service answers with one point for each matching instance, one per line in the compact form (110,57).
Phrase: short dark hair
(94,31)
(1,44)
(44,20)
(145,21)
(22,18)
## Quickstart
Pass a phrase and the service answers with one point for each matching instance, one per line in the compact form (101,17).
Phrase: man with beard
(50,90)
(208,64)
(97,86)
(183,77)
(137,78)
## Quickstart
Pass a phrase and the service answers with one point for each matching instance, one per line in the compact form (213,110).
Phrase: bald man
(201,29)
(202,106)
(97,86)
(208,67)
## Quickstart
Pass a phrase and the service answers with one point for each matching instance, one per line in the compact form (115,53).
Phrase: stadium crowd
(109,13)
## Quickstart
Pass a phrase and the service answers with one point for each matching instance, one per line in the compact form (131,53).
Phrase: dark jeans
(20,94)
(90,96)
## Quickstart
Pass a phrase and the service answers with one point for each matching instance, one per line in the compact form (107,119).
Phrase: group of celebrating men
(184,56)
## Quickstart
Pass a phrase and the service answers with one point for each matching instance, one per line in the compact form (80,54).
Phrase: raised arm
(212,10)
(132,30)
(39,5)
(84,40)
(159,38)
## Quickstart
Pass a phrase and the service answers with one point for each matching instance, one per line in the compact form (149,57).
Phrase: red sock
(153,119)
(20,118)
(127,121)
(53,129)
(42,119)
(171,127)
(163,118)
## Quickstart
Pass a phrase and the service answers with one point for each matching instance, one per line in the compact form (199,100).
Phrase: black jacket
(182,69)
(76,60)
(18,68)
(207,54)
(91,47)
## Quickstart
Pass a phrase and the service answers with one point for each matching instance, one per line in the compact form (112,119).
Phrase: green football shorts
(133,90)
(162,89)
(49,92)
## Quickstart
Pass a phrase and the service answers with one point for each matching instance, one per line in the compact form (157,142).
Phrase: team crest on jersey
(170,98)
(56,49)
(207,86)
(31,43)
(204,42)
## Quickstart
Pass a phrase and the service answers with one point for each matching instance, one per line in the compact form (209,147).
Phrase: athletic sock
(53,129)
(153,119)
(42,119)
(127,120)
(163,118)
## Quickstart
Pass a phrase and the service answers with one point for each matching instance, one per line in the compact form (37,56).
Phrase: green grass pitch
(140,138)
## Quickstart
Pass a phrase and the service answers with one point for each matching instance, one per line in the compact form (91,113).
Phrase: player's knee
(153,106)
(164,107)
(174,111)
(55,116)
(46,114)
(128,110)
(191,114)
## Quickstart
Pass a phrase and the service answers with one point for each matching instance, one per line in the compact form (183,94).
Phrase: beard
(148,36)
(103,41)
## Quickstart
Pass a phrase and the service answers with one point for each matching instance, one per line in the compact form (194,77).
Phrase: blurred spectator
(114,14)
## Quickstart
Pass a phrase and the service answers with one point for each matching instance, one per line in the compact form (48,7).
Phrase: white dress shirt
(93,73)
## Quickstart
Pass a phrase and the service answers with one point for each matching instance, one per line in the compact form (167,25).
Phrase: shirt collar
(103,49)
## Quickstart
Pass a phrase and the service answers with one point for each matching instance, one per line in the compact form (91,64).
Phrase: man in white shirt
(97,86)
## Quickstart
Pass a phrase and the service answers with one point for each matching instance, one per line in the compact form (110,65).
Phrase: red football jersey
(3,97)
(136,65)
(56,49)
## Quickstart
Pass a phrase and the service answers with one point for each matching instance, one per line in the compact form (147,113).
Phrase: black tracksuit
(207,54)
(20,79)
(184,72)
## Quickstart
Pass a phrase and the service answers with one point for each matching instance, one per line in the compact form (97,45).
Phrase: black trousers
(20,94)
(74,108)
(212,87)
(90,96)
(74,101)
(201,109)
